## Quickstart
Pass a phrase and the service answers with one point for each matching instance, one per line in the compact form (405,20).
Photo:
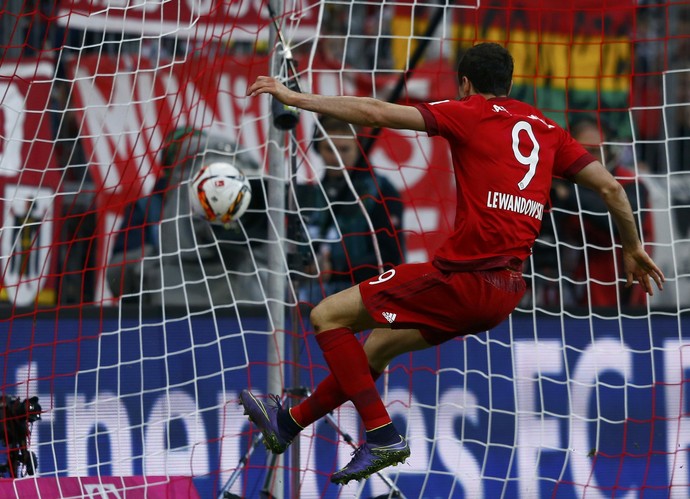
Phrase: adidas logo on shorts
(389,316)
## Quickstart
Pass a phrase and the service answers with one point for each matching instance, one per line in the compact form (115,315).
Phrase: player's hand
(640,267)
(270,85)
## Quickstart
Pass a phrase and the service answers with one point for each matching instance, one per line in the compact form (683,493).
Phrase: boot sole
(393,458)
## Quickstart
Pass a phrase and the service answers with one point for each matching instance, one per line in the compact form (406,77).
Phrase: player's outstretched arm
(364,111)
(637,264)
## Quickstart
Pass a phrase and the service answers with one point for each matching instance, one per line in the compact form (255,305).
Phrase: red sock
(350,368)
(327,397)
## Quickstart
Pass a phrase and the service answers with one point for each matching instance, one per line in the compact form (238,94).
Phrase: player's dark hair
(489,67)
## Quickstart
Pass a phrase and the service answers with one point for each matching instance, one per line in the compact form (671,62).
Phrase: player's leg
(411,293)
(335,321)
(280,426)
(381,347)
(277,425)
(446,305)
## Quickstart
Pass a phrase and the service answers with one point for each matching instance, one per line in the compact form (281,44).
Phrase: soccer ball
(220,193)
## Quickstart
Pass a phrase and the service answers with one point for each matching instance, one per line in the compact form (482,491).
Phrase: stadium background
(562,401)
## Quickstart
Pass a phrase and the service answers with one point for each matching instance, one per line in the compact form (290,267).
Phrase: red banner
(28,183)
(245,20)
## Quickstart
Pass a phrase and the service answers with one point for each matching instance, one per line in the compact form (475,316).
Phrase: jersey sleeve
(451,119)
(570,157)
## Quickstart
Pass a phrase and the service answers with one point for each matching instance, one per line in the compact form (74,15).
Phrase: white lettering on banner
(200,7)
(232,9)
(147,114)
(133,130)
(200,112)
(416,436)
(200,19)
(677,363)
(309,486)
(348,422)
(258,8)
(603,355)
(251,129)
(12,117)
(122,4)
(151,5)
(237,9)
(105,415)
(187,460)
(517,204)
(329,84)
(102,124)
(457,458)
(172,94)
(535,432)
(115,124)
(225,108)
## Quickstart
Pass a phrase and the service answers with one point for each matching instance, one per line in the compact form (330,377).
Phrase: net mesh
(136,321)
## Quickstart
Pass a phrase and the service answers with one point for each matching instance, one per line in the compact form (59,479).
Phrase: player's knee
(317,317)
(324,316)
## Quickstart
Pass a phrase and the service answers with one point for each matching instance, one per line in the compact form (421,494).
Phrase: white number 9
(388,274)
(533,157)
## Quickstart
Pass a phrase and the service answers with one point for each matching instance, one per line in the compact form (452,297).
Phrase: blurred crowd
(576,262)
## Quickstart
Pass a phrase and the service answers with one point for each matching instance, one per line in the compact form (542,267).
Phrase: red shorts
(442,305)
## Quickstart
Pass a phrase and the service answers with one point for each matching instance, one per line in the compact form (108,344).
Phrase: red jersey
(504,153)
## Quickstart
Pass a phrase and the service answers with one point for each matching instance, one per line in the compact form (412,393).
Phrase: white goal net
(136,321)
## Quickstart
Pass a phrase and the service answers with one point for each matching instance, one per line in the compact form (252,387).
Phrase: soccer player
(504,155)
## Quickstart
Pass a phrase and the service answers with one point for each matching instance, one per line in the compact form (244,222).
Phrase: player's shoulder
(522,111)
(515,107)
(508,107)
(458,105)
